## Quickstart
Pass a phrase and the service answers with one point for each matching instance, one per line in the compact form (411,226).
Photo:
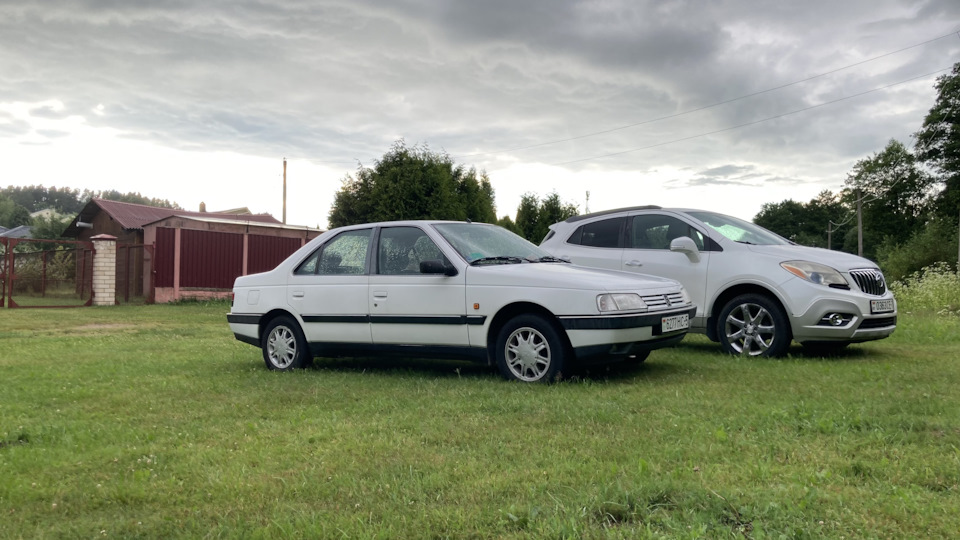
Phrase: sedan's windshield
(484,243)
(739,230)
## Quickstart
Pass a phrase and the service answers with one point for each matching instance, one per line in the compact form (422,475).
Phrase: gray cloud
(339,81)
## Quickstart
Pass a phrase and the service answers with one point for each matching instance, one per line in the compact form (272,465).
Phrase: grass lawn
(153,422)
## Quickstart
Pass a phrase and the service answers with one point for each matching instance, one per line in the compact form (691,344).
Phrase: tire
(753,325)
(284,347)
(530,349)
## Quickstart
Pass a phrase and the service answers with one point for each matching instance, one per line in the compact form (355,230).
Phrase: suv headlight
(620,302)
(815,273)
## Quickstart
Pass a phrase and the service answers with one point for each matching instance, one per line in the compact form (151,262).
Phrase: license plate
(881,306)
(677,322)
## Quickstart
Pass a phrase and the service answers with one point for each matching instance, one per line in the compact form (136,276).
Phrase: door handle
(634,263)
(298,294)
(379,295)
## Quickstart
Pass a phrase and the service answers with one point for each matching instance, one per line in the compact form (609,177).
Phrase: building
(164,254)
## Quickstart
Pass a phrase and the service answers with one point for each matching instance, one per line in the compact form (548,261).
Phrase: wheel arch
(736,290)
(269,316)
(510,311)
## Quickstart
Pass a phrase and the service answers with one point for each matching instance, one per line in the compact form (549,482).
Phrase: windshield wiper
(547,259)
(496,260)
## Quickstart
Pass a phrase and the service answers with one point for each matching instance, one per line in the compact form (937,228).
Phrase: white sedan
(452,290)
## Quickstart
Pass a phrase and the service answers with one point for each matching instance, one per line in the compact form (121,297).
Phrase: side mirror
(436,266)
(685,245)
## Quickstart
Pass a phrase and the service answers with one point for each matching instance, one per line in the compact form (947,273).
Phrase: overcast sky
(722,105)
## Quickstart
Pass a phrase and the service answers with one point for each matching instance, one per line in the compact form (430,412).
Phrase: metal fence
(45,273)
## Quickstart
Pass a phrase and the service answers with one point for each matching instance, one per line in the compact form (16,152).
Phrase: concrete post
(104,270)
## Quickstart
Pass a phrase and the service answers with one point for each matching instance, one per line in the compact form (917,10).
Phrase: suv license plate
(881,306)
(677,322)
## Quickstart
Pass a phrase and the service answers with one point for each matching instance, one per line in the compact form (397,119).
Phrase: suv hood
(836,259)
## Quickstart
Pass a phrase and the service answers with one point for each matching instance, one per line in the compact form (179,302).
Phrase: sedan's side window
(345,254)
(605,233)
(656,231)
(402,249)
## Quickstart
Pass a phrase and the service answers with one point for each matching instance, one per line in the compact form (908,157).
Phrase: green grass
(153,422)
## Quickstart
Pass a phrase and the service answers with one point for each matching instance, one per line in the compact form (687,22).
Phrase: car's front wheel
(530,349)
(284,347)
(753,325)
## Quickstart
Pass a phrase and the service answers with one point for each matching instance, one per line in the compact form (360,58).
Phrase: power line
(705,107)
(767,119)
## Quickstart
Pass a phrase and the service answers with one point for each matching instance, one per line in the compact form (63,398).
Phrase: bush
(937,242)
(935,288)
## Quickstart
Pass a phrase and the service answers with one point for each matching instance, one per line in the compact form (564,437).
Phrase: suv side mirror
(685,245)
(436,266)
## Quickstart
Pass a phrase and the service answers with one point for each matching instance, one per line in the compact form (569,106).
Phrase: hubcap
(281,347)
(528,354)
(750,329)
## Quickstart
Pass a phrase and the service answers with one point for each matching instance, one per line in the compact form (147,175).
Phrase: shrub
(935,288)
(936,242)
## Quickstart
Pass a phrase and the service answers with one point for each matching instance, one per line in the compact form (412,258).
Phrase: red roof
(135,216)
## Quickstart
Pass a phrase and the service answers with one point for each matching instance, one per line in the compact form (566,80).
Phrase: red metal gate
(45,273)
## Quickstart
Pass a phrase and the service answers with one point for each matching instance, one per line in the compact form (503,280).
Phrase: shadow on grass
(457,369)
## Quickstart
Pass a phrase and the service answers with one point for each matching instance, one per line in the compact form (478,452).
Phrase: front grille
(663,301)
(870,281)
(882,322)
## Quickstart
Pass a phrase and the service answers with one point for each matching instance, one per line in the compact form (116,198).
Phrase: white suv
(754,290)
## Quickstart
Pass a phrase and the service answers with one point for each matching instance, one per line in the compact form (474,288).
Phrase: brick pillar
(104,270)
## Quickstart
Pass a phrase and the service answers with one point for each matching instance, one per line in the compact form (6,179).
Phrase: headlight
(814,273)
(620,302)
(686,296)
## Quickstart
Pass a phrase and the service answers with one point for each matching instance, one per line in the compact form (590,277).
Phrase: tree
(413,183)
(534,216)
(35,198)
(894,194)
(938,143)
(50,228)
(131,197)
(12,214)
(807,224)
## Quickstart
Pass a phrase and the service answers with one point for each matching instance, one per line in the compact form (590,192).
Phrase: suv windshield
(475,241)
(739,230)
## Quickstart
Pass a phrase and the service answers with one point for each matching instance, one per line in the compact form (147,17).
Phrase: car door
(647,250)
(329,290)
(410,308)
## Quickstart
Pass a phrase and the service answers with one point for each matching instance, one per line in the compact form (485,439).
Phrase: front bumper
(613,336)
(852,311)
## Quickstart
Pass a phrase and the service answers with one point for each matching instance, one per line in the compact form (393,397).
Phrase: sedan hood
(568,276)
(835,259)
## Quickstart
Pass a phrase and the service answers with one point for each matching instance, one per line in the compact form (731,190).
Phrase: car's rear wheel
(530,349)
(753,325)
(284,347)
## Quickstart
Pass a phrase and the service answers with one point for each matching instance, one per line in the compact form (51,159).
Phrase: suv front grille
(663,301)
(870,281)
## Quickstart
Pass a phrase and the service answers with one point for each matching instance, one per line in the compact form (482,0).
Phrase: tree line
(18,202)
(908,200)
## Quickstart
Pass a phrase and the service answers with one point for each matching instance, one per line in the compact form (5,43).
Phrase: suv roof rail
(575,219)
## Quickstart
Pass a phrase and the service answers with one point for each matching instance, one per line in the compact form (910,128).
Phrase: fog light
(835,319)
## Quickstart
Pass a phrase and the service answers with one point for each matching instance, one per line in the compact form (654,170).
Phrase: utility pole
(859,224)
(284,191)
(586,209)
(829,235)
